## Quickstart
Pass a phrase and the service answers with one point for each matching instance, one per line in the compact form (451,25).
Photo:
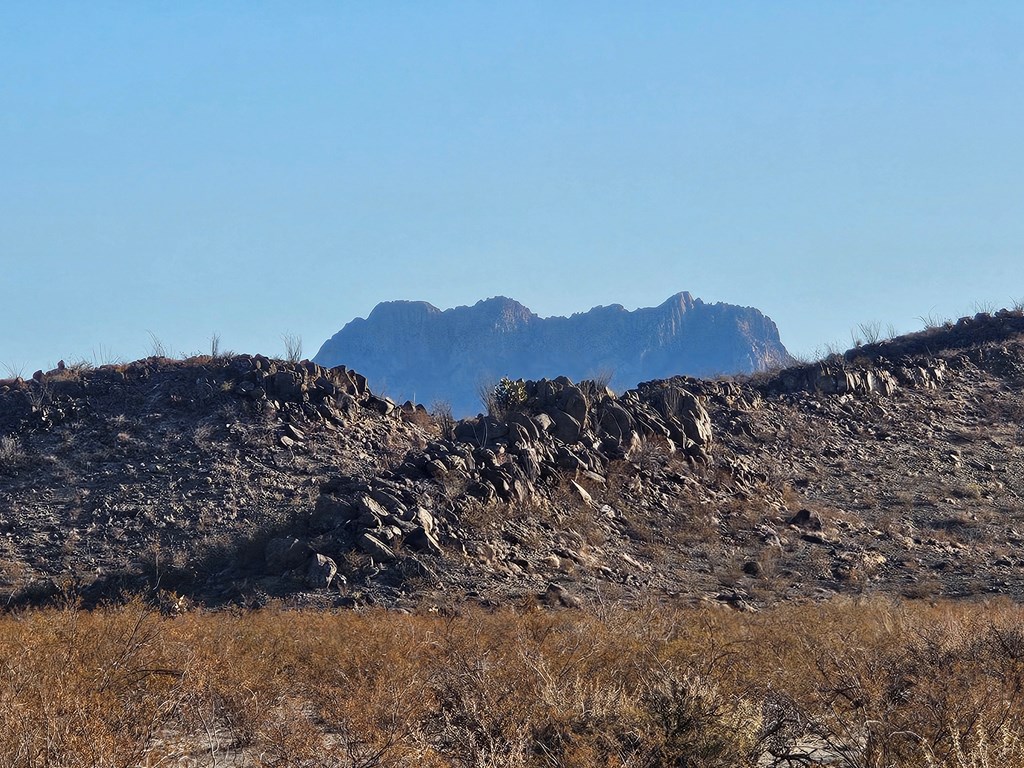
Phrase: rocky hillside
(415,351)
(897,468)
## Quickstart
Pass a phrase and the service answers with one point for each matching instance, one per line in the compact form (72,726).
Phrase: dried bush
(441,413)
(11,452)
(292,347)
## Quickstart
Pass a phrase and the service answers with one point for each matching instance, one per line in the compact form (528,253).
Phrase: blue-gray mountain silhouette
(413,350)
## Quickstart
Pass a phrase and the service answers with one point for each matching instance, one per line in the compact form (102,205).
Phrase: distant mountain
(413,350)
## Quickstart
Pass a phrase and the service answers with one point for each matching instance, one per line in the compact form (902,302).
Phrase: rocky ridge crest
(417,351)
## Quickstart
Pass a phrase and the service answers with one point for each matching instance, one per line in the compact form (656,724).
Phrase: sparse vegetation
(441,412)
(503,396)
(509,394)
(292,347)
(485,393)
(870,332)
(101,355)
(156,346)
(933,321)
(602,378)
(11,452)
(13,370)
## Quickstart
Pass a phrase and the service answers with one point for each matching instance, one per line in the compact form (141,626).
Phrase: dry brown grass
(891,684)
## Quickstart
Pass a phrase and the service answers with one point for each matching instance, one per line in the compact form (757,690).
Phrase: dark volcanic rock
(416,350)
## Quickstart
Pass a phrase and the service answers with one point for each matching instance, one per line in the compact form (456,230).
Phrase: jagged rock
(423,541)
(436,469)
(387,499)
(556,594)
(615,421)
(567,429)
(374,547)
(805,518)
(385,406)
(321,571)
(519,436)
(582,492)
(425,519)
(329,512)
(294,433)
(482,490)
(696,422)
(404,525)
(573,403)
(529,461)
(466,431)
(527,424)
(371,522)
(566,459)
(287,385)
(544,423)
(367,505)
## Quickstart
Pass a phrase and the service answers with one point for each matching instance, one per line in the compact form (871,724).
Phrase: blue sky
(257,169)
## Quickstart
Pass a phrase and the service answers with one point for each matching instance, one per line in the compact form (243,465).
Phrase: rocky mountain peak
(505,313)
(402,311)
(681,302)
(412,350)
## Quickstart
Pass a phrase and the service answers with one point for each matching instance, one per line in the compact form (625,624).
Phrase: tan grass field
(867,683)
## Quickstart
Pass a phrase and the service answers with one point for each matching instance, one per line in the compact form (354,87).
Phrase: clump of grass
(292,347)
(11,452)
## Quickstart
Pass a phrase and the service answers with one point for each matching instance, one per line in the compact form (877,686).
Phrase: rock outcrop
(416,351)
(559,431)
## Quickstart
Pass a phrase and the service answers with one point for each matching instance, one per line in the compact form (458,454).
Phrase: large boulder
(321,571)
(285,554)
(374,547)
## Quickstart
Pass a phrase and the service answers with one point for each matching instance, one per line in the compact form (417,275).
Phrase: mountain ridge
(416,351)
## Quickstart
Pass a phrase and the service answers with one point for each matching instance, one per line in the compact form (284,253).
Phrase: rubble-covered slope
(896,468)
(168,472)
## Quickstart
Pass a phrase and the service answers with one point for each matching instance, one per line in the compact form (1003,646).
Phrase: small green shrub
(509,394)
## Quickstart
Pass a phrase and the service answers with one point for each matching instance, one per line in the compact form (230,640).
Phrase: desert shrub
(509,394)
(692,721)
(157,348)
(84,688)
(292,347)
(441,413)
(866,333)
(501,397)
(601,379)
(11,452)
